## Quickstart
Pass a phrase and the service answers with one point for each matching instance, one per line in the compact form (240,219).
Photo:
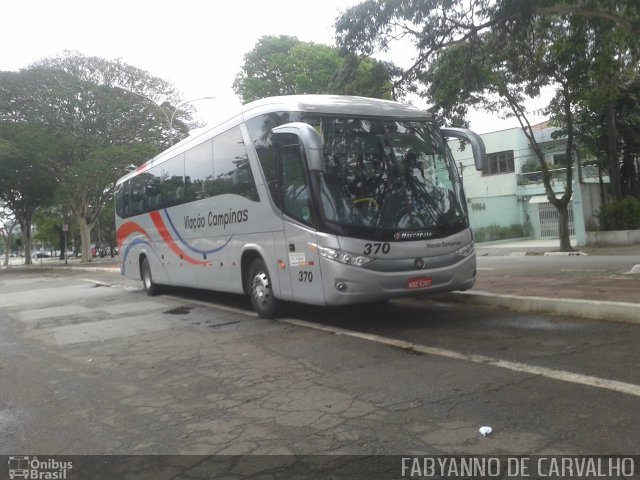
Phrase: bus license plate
(419,282)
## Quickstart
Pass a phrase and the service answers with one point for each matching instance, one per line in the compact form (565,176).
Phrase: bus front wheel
(261,289)
(149,285)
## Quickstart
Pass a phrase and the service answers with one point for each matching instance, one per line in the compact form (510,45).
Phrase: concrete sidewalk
(588,295)
(548,247)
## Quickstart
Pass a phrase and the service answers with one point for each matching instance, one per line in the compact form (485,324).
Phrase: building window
(501,162)
(557,159)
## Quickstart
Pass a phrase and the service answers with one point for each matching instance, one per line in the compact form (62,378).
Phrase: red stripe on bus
(166,236)
(127,229)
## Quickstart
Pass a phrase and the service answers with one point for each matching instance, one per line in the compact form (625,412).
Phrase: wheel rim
(147,275)
(261,289)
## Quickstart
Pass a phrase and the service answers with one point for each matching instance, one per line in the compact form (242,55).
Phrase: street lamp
(176,110)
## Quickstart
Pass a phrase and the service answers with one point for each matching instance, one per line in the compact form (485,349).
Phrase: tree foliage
(496,55)
(8,223)
(28,180)
(99,117)
(284,65)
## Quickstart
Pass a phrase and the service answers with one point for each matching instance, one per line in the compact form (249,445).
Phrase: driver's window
(296,196)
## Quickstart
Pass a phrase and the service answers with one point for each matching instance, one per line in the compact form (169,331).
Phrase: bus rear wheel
(149,285)
(261,289)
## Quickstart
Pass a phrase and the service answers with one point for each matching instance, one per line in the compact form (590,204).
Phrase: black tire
(260,289)
(148,284)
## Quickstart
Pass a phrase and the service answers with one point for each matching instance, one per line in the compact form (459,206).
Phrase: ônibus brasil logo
(33,468)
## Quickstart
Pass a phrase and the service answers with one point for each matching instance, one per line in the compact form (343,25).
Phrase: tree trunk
(63,244)
(7,244)
(612,153)
(25,225)
(85,240)
(563,227)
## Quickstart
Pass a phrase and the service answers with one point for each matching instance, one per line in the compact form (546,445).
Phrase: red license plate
(419,282)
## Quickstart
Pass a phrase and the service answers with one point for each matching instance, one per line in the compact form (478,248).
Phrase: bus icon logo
(18,467)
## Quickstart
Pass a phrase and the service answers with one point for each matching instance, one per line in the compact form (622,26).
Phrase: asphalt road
(90,365)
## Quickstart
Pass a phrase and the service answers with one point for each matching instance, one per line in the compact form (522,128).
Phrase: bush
(531,165)
(621,215)
(497,232)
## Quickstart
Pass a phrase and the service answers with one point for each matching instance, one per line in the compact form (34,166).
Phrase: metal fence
(548,215)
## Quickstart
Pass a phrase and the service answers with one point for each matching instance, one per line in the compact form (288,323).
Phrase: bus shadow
(377,316)
(229,300)
(402,314)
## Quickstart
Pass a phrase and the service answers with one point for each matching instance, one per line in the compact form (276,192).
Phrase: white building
(508,196)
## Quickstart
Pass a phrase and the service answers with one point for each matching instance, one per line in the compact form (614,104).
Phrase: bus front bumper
(346,284)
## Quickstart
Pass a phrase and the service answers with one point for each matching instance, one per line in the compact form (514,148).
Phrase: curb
(86,268)
(97,269)
(586,309)
(575,253)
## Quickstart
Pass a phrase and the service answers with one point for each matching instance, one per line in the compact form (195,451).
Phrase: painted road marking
(582,270)
(562,375)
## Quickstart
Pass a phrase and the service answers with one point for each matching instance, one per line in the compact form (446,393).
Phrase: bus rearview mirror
(309,139)
(477,144)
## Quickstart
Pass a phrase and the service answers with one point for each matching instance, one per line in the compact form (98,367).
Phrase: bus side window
(172,175)
(260,131)
(137,203)
(122,200)
(296,196)
(198,166)
(231,170)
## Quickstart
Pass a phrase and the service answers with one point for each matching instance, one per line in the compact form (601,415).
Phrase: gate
(548,215)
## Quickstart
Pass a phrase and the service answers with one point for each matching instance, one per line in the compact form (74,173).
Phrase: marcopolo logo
(38,469)
(419,235)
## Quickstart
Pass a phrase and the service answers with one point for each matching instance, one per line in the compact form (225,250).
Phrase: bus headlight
(341,256)
(466,250)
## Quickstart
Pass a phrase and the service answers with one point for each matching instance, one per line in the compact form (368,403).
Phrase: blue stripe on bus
(135,242)
(193,249)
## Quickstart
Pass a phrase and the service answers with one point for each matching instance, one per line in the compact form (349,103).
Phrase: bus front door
(302,260)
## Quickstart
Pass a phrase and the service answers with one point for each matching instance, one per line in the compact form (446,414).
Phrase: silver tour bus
(325,200)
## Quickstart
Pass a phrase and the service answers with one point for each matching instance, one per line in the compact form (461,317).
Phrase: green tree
(284,65)
(90,179)
(628,124)
(8,223)
(49,222)
(593,129)
(496,55)
(108,115)
(110,99)
(28,154)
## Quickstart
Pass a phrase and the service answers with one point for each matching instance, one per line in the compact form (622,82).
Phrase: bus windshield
(388,176)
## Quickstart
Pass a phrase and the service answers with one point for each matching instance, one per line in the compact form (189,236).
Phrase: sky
(197,45)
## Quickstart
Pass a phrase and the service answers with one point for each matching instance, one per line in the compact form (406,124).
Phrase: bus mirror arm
(477,145)
(311,141)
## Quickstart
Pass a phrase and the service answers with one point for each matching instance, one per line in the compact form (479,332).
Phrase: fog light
(341,286)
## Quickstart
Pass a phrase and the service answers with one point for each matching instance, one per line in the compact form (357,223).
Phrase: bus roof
(327,104)
(334,104)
